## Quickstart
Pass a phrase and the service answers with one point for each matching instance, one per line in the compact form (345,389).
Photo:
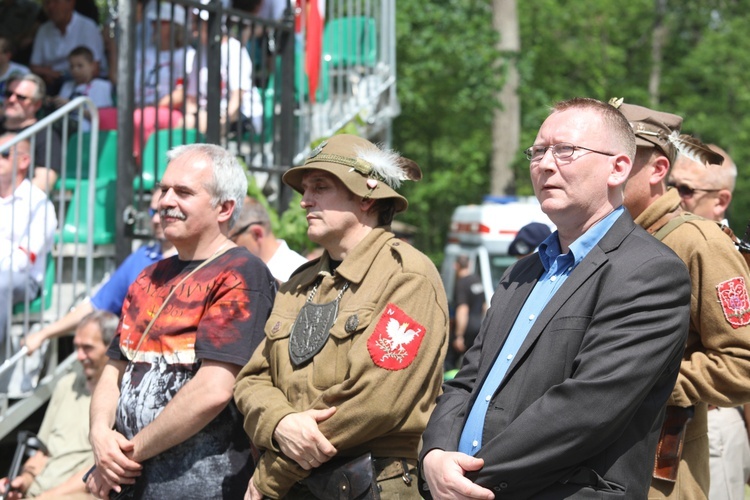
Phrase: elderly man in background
(24,96)
(26,233)
(65,428)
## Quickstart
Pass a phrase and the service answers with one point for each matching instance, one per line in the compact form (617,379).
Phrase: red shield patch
(396,339)
(734,301)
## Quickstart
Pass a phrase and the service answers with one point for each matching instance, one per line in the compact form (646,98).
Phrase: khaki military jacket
(383,386)
(716,365)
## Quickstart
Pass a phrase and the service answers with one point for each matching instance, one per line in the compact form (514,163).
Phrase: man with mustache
(162,416)
(352,360)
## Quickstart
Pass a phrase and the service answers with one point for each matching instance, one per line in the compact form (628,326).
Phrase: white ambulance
(484,233)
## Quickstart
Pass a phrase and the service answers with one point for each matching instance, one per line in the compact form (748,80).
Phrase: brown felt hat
(652,128)
(365,169)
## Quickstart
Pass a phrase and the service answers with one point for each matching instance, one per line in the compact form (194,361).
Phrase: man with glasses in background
(253,231)
(563,393)
(716,366)
(24,96)
(707,191)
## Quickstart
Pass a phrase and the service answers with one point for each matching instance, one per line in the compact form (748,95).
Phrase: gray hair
(105,320)
(229,178)
(41,87)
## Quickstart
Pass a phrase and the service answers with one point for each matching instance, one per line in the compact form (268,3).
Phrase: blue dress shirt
(557,267)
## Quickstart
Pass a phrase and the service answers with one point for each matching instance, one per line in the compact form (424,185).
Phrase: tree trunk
(506,123)
(658,39)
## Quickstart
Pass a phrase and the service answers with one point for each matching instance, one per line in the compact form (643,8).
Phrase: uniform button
(553,278)
(531,316)
(395,244)
(487,398)
(510,356)
(475,443)
(503,485)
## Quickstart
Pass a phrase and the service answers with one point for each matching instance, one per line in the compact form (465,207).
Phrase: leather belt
(387,468)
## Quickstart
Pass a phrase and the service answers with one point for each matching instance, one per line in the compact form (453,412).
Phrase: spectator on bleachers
(112,294)
(65,30)
(19,20)
(111,33)
(24,96)
(253,231)
(240,99)
(26,233)
(65,427)
(161,71)
(8,68)
(84,83)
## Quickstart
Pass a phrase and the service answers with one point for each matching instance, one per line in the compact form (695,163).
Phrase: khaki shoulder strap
(674,224)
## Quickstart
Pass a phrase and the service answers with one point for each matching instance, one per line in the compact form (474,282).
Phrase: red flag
(314,44)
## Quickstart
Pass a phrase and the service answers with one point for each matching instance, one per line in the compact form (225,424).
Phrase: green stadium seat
(75,226)
(106,167)
(350,41)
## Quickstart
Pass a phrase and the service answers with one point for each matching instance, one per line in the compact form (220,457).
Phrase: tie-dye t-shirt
(218,314)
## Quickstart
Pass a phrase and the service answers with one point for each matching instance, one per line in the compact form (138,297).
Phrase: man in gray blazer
(563,393)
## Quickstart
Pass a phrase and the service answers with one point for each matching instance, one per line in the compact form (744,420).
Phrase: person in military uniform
(352,360)
(716,365)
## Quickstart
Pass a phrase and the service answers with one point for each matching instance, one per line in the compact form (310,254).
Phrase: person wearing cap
(563,392)
(353,356)
(715,368)
(707,191)
(529,237)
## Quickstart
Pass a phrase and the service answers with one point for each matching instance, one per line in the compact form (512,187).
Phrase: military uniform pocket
(330,365)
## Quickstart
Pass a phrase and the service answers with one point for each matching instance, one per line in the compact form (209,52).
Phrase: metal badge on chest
(312,327)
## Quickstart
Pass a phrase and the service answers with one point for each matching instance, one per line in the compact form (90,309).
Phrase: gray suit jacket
(579,412)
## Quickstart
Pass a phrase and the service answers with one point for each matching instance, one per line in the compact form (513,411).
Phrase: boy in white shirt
(83,69)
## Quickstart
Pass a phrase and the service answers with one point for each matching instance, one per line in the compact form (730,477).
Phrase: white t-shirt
(98,90)
(158,66)
(51,47)
(284,262)
(240,69)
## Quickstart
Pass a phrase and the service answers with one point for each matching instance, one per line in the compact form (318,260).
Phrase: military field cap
(528,238)
(652,128)
(365,169)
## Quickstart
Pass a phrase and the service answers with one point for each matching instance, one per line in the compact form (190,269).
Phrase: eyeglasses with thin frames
(688,192)
(561,151)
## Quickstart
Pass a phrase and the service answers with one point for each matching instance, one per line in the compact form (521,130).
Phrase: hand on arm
(445,474)
(194,406)
(300,439)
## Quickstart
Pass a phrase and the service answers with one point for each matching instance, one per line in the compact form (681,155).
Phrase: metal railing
(69,263)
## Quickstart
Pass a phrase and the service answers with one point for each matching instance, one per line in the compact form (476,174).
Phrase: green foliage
(447,85)
(449,72)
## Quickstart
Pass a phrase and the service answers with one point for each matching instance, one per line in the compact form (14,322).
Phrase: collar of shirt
(549,249)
